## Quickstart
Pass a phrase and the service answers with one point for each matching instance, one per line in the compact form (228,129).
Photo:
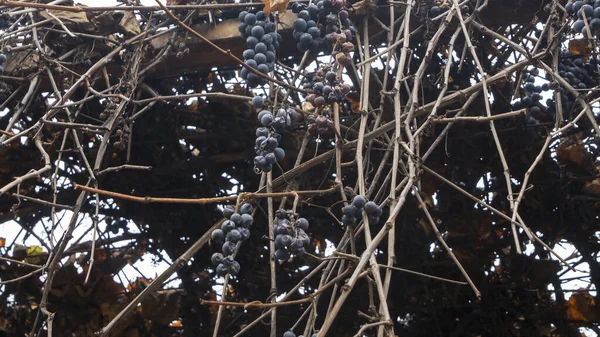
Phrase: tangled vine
(302,168)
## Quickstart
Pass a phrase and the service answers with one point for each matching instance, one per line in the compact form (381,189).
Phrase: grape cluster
(267,142)
(583,12)
(325,86)
(320,125)
(353,212)
(579,73)
(532,93)
(232,231)
(2,60)
(262,40)
(291,237)
(322,26)
(4,23)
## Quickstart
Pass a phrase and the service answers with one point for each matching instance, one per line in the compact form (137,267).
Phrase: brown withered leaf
(582,307)
(129,25)
(592,187)
(572,151)
(275,6)
(364,7)
(75,21)
(581,47)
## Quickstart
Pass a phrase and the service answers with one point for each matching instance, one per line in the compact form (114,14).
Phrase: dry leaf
(193,107)
(354,99)
(592,187)
(2,242)
(275,6)
(306,106)
(74,21)
(100,255)
(581,47)
(581,307)
(364,7)
(571,152)
(129,24)
(34,250)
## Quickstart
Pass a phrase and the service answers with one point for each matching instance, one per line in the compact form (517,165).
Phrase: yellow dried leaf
(34,250)
(275,6)
(2,242)
(33,254)
(307,107)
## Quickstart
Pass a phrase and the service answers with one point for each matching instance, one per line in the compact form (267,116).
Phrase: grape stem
(205,201)
(261,305)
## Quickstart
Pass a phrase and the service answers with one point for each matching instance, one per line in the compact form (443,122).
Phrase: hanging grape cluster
(267,142)
(322,26)
(4,23)
(262,40)
(353,212)
(233,230)
(531,99)
(320,124)
(326,87)
(291,237)
(2,60)
(577,72)
(586,14)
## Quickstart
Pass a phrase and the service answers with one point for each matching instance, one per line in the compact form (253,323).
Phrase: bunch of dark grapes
(290,235)
(4,23)
(232,231)
(326,87)
(320,125)
(583,12)
(267,141)
(2,60)
(322,26)
(353,212)
(533,96)
(262,41)
(579,73)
